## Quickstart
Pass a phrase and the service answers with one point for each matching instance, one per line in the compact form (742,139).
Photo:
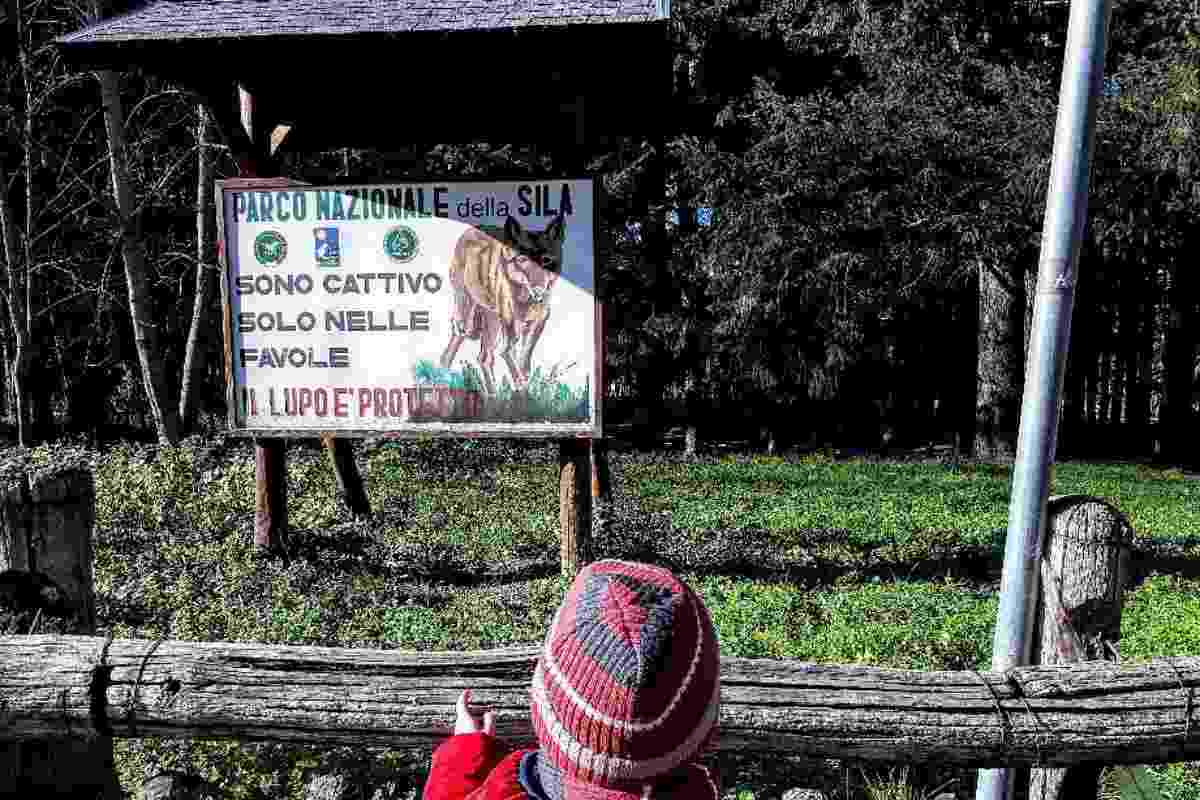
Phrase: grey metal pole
(1062,234)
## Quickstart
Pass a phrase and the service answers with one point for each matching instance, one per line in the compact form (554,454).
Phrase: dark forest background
(871,181)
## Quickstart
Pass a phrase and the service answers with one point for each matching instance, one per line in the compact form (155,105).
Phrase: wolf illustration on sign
(502,279)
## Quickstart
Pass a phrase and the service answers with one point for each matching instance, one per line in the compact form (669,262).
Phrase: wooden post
(574,505)
(349,482)
(1085,566)
(270,494)
(270,457)
(601,485)
(46,523)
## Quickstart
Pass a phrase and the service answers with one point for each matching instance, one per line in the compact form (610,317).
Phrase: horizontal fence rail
(53,686)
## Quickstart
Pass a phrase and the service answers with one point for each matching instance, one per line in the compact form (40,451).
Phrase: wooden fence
(81,686)
(65,697)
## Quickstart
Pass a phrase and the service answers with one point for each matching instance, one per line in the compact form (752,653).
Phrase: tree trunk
(1179,363)
(5,389)
(42,382)
(1084,570)
(1096,711)
(31,346)
(1093,378)
(1073,413)
(656,249)
(145,329)
(195,351)
(1000,360)
(22,368)
(1104,393)
(1114,384)
(1138,355)
(964,375)
(16,278)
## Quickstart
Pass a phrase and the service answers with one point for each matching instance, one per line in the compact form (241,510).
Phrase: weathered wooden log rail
(80,686)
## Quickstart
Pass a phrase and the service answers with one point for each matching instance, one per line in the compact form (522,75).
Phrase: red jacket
(476,766)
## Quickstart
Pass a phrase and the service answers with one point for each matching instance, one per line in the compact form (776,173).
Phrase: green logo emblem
(400,244)
(270,248)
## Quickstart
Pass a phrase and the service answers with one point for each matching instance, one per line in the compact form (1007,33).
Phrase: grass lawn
(173,557)
(881,502)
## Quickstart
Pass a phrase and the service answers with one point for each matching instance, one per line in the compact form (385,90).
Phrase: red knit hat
(626,692)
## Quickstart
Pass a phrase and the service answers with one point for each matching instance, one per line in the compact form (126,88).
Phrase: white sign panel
(438,307)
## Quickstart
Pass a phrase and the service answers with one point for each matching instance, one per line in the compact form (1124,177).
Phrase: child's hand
(466,722)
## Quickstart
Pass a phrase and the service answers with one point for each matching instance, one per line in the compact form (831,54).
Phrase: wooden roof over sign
(223,19)
(375,73)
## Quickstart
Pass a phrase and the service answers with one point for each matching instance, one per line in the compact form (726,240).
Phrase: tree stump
(328,786)
(179,786)
(46,519)
(1084,570)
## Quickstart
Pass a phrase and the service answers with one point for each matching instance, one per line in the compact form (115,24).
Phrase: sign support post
(270,455)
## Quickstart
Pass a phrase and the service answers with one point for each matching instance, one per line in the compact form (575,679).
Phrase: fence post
(575,487)
(1084,569)
(46,520)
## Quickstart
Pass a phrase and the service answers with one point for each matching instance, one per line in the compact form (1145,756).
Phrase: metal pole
(1062,233)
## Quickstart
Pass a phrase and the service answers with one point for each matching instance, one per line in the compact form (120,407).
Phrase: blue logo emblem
(327,247)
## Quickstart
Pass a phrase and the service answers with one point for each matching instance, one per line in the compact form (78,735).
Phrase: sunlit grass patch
(885,502)
(903,625)
(174,539)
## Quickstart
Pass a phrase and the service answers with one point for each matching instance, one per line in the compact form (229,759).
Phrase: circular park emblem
(270,248)
(400,244)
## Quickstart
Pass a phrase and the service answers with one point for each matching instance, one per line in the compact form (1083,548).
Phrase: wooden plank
(1051,715)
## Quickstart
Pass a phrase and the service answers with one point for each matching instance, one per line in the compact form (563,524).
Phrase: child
(625,696)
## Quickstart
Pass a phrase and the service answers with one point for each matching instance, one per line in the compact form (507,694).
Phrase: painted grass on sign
(546,397)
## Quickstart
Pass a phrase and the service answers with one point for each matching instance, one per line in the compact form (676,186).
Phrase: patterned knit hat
(626,691)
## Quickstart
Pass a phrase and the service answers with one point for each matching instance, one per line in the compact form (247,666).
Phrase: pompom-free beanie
(626,690)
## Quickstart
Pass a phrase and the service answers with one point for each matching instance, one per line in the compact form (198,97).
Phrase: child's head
(626,689)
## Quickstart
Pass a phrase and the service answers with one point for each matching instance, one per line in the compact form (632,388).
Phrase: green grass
(881,502)
(209,585)
(903,625)
(486,526)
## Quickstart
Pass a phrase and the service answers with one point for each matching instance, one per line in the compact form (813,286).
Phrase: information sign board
(439,307)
